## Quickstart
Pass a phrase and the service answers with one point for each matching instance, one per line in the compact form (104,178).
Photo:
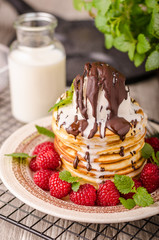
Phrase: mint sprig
(127,203)
(66,176)
(148,152)
(19,155)
(123,183)
(66,100)
(129,26)
(45,131)
(141,197)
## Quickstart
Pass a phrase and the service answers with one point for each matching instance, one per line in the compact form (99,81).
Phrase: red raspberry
(137,183)
(107,194)
(150,177)
(86,195)
(48,159)
(58,187)
(41,178)
(42,146)
(154,142)
(33,165)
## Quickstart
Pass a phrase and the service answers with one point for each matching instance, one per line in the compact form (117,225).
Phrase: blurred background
(83,43)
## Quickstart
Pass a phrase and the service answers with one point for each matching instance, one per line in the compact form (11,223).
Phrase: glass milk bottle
(37,67)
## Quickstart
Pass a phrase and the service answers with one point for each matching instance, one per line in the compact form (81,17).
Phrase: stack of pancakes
(97,157)
(108,156)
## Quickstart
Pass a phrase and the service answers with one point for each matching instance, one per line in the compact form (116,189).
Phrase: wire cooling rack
(48,227)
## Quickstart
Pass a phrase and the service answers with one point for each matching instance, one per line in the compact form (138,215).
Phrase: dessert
(100,132)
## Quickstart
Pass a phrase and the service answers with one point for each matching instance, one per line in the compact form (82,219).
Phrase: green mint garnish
(66,176)
(45,131)
(147,151)
(19,155)
(156,158)
(75,186)
(142,198)
(66,100)
(123,26)
(123,183)
(129,203)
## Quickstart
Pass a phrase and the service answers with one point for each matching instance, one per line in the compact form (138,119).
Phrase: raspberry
(48,159)
(150,177)
(58,187)
(41,178)
(33,165)
(154,142)
(42,146)
(107,194)
(137,183)
(86,195)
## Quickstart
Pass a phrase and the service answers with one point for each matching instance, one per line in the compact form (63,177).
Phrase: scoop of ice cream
(100,101)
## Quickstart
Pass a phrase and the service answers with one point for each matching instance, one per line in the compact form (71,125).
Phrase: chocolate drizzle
(100,76)
(75,162)
(121,153)
(87,158)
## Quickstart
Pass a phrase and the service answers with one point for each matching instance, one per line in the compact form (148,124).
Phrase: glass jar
(37,66)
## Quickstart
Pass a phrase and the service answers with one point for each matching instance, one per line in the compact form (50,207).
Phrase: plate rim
(116,217)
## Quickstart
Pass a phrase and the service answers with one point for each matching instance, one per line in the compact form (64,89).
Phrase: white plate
(18,179)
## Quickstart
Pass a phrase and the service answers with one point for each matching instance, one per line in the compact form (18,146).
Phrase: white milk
(37,79)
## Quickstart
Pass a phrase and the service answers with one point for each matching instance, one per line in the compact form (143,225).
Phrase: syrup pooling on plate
(101,123)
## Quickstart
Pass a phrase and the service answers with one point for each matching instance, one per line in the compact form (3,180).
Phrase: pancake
(96,144)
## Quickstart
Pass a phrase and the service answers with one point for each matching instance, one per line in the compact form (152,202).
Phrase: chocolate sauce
(132,165)
(100,76)
(102,169)
(121,153)
(87,158)
(75,162)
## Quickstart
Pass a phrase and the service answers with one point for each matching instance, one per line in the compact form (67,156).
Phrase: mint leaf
(19,155)
(150,3)
(155,21)
(156,160)
(157,155)
(101,23)
(88,6)
(66,176)
(138,59)
(66,100)
(102,5)
(78,4)
(75,186)
(131,51)
(142,198)
(129,203)
(147,151)
(45,131)
(152,61)
(108,41)
(143,44)
(123,183)
(121,43)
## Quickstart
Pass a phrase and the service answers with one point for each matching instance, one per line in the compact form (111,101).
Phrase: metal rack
(16,212)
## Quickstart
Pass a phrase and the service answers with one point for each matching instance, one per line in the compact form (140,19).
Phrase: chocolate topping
(121,153)
(100,76)
(75,162)
(87,158)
